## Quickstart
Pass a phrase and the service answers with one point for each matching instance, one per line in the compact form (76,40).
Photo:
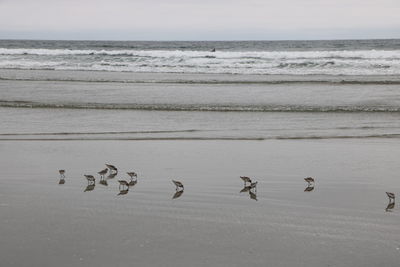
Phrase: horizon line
(196,40)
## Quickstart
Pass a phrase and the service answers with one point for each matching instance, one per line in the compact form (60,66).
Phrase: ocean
(181,90)
(358,57)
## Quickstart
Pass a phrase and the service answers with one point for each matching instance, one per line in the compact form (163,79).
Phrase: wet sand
(342,222)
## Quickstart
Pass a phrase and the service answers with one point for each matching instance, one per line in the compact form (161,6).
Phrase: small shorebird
(112,168)
(90,178)
(123,184)
(111,175)
(246,179)
(132,174)
(132,183)
(253,186)
(309,180)
(391,196)
(177,184)
(102,173)
(62,173)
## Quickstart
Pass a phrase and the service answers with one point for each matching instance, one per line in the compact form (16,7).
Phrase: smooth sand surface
(342,222)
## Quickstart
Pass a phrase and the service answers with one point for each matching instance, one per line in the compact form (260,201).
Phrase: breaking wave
(345,62)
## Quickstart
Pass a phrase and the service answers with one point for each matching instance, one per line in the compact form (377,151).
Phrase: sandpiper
(253,186)
(90,178)
(177,184)
(309,180)
(111,175)
(62,173)
(246,179)
(391,196)
(112,168)
(102,173)
(132,174)
(132,183)
(123,184)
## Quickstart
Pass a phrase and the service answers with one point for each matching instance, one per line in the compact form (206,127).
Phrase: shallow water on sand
(70,105)
(342,222)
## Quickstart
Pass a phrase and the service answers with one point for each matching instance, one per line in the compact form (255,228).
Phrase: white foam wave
(363,62)
(360,54)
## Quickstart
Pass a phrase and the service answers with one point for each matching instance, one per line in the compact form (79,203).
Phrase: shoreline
(188,78)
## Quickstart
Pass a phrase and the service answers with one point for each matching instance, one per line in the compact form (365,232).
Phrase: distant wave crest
(344,54)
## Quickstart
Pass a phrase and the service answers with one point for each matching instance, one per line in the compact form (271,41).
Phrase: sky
(199,20)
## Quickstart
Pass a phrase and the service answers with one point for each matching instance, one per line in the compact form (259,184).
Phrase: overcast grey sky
(199,20)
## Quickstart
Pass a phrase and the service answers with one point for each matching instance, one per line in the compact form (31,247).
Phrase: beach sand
(342,222)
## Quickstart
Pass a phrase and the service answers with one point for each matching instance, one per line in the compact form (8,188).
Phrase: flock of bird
(124,185)
(250,186)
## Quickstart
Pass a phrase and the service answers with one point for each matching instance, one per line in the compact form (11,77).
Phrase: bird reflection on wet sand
(309,188)
(132,183)
(62,181)
(90,187)
(123,191)
(251,190)
(245,189)
(103,182)
(177,194)
(390,207)
(253,195)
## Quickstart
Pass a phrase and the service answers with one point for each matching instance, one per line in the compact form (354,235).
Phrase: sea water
(183,90)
